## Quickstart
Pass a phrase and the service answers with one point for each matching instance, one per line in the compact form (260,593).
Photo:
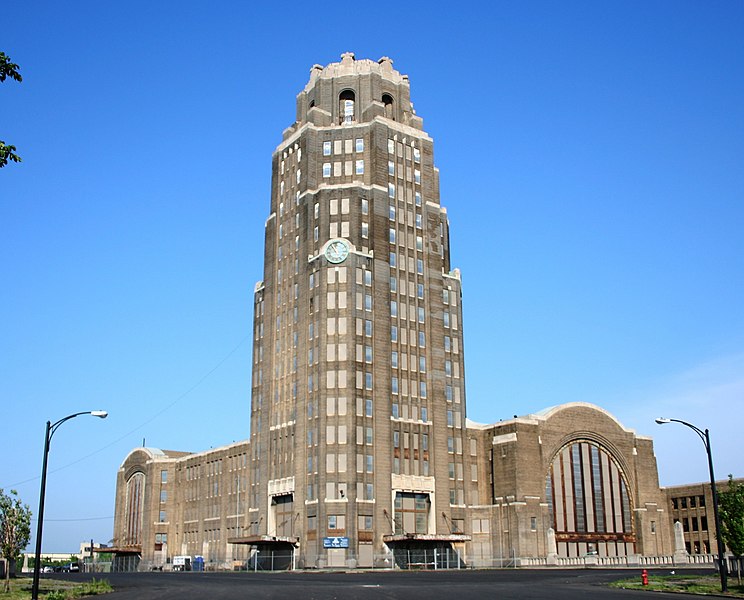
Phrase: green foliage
(8,69)
(731,509)
(15,528)
(49,589)
(96,586)
(7,152)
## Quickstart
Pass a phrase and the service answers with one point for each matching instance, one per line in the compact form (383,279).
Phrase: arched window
(134,507)
(346,106)
(589,502)
(387,101)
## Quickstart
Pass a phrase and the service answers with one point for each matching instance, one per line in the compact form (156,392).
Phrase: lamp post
(50,429)
(705,437)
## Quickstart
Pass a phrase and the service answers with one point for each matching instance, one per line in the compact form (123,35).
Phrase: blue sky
(591,158)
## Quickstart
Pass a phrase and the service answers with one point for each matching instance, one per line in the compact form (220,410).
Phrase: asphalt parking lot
(419,585)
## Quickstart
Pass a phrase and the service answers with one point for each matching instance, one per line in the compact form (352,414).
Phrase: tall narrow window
(387,101)
(346,106)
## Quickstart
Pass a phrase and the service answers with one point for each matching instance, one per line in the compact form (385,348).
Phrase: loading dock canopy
(261,540)
(426,537)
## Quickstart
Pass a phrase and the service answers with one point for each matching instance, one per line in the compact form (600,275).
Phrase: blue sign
(335,542)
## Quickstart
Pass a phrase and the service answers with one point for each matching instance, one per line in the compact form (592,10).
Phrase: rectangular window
(419,266)
(422,389)
(425,418)
(393,284)
(163,476)
(326,148)
(393,308)
(394,333)
(392,235)
(416,155)
(418,198)
(368,408)
(391,167)
(417,176)
(360,144)
(391,190)
(391,146)
(394,359)
(326,169)
(360,167)
(391,213)
(393,259)
(394,410)
(365,230)
(162,518)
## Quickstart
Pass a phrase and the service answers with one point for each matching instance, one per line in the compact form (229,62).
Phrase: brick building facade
(360,454)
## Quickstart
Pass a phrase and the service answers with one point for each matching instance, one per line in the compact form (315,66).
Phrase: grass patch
(54,589)
(690,584)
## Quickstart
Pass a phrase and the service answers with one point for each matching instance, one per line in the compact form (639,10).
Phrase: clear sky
(592,163)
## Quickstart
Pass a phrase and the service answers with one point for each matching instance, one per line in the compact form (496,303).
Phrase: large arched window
(134,508)
(346,106)
(589,502)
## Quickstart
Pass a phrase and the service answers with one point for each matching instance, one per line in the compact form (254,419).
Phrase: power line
(150,420)
(76,520)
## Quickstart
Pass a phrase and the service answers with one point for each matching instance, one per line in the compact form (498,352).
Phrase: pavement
(520,584)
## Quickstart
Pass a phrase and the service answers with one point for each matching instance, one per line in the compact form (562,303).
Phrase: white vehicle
(182,563)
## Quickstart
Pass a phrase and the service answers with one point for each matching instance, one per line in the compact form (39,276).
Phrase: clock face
(337,251)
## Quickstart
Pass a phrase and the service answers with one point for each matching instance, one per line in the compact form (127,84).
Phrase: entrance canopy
(265,540)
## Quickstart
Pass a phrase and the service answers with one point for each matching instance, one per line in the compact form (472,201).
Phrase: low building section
(569,482)
(692,506)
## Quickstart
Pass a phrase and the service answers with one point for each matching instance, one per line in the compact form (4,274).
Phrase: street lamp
(50,429)
(705,436)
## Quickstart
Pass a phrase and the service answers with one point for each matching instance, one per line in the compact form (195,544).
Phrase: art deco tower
(358,395)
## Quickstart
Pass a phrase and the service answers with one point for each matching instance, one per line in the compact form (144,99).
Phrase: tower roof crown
(349,65)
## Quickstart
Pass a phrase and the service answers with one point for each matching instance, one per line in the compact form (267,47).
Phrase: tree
(8,69)
(15,529)
(731,509)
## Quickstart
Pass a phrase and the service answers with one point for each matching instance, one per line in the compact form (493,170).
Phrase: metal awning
(426,537)
(264,540)
(134,549)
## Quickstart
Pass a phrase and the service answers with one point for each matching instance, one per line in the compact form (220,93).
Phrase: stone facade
(359,452)
(692,506)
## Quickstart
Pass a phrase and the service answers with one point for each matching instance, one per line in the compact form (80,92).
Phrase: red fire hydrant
(644,577)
